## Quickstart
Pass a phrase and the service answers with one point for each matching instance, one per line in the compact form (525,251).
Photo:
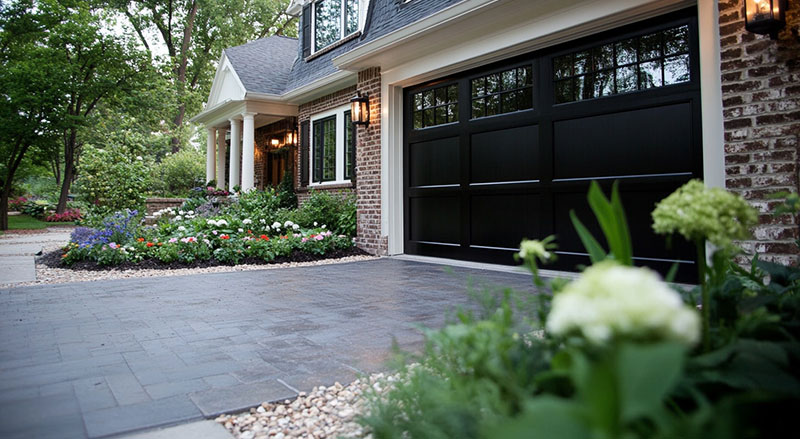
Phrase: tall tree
(28,100)
(193,33)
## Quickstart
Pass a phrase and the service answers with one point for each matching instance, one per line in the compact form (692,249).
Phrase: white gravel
(48,275)
(326,412)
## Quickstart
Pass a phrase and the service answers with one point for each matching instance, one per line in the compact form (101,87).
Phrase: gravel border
(49,275)
(325,412)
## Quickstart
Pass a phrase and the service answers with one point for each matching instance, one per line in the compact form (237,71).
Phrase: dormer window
(334,20)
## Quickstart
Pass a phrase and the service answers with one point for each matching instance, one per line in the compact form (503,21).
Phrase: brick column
(368,168)
(761,110)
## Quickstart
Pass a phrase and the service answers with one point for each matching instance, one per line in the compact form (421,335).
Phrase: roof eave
(359,57)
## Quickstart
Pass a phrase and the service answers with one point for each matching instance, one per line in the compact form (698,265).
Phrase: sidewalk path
(17,252)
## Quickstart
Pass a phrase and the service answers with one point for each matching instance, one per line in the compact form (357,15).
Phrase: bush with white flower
(613,302)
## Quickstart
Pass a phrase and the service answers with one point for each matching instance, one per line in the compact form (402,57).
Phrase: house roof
(264,65)
(275,65)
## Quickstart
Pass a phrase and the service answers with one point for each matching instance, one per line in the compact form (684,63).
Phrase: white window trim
(340,147)
(362,16)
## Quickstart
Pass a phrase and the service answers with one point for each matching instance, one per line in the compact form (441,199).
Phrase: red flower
(160,244)
(264,237)
(149,244)
(285,237)
(250,232)
(224,237)
(140,239)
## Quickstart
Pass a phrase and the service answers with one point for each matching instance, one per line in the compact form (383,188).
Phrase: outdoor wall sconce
(359,109)
(291,138)
(766,17)
(275,142)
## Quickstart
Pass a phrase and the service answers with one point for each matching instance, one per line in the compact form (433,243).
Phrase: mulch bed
(53,260)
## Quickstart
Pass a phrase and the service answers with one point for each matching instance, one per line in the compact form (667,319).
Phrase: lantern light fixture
(359,109)
(275,142)
(766,17)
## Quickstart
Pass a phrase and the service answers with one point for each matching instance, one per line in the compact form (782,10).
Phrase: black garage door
(504,152)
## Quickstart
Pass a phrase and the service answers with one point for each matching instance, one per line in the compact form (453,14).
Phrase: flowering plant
(610,301)
(67,216)
(700,213)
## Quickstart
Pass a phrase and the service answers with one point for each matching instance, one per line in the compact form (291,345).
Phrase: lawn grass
(27,222)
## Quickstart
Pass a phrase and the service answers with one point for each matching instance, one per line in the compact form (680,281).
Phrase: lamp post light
(766,17)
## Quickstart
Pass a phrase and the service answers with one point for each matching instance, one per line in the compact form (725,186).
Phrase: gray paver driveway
(100,358)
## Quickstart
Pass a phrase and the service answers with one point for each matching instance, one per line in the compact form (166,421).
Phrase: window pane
(676,40)
(562,66)
(581,63)
(626,52)
(493,83)
(428,99)
(452,113)
(418,120)
(676,69)
(626,79)
(351,16)
(509,80)
(478,87)
(441,96)
(452,94)
(478,107)
(492,105)
(650,75)
(564,91)
(524,76)
(603,57)
(650,47)
(427,118)
(329,154)
(508,102)
(440,115)
(583,88)
(318,150)
(327,23)
(603,84)
(418,101)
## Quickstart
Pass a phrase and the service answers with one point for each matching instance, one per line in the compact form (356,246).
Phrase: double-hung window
(334,20)
(333,147)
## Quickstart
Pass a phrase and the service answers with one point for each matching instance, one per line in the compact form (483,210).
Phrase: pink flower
(214,232)
(173,240)
(305,239)
(319,237)
(113,245)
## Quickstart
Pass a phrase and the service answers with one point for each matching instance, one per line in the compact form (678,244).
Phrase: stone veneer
(761,110)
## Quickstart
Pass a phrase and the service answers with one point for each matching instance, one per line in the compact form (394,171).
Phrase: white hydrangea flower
(262,221)
(288,224)
(211,222)
(315,224)
(610,301)
(247,221)
(241,230)
(191,212)
(324,226)
(180,212)
(222,222)
(295,227)
(276,225)
(181,229)
(178,218)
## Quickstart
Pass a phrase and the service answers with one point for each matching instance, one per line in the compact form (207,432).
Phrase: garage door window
(436,106)
(653,60)
(504,92)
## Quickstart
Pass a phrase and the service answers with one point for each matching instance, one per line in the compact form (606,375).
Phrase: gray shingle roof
(264,65)
(275,64)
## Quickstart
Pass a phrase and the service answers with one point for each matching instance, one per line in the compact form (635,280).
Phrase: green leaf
(546,417)
(646,375)
(611,217)
(595,250)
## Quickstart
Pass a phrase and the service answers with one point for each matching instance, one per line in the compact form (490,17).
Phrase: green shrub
(178,173)
(287,199)
(111,180)
(337,211)
(37,208)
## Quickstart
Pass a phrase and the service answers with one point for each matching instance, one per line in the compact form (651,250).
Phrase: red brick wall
(368,167)
(761,110)
(305,112)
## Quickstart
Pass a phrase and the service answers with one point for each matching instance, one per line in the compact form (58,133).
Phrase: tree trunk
(4,206)
(69,169)
(178,122)
(14,160)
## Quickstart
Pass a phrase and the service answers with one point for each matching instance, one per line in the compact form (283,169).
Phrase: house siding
(761,112)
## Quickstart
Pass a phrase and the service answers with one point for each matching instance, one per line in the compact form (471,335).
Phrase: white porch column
(248,151)
(211,160)
(236,152)
(221,150)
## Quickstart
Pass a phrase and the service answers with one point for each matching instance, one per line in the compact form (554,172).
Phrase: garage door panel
(435,162)
(639,203)
(505,155)
(649,141)
(436,219)
(501,221)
